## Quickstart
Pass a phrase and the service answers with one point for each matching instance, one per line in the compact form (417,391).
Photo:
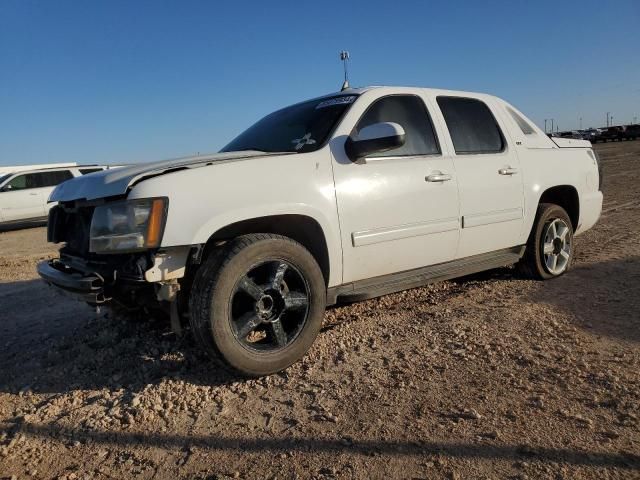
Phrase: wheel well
(304,230)
(566,197)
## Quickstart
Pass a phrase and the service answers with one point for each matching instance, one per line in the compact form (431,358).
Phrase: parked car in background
(570,134)
(590,134)
(24,194)
(612,134)
(631,132)
(340,198)
(599,135)
(5,169)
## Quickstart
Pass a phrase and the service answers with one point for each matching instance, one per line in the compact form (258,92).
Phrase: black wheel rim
(269,306)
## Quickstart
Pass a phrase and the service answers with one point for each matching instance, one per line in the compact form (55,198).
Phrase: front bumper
(87,287)
(124,278)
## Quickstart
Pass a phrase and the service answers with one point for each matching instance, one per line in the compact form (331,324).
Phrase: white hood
(109,183)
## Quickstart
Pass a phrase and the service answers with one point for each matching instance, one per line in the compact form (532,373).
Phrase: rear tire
(550,248)
(257,305)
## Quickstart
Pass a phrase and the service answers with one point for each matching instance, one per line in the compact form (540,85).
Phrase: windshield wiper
(258,150)
(248,150)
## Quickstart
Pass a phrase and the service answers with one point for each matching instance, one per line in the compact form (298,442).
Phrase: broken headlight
(128,226)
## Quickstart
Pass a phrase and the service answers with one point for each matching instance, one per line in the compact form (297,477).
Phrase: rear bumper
(87,287)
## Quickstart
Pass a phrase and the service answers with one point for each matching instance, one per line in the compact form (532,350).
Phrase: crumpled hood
(109,183)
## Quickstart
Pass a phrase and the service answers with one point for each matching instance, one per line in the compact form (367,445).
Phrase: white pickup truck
(340,198)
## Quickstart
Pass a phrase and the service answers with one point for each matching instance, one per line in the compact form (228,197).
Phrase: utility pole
(580,123)
(612,120)
(635,119)
(607,119)
(552,125)
(545,125)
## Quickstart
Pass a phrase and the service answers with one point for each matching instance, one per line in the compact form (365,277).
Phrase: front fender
(204,200)
(215,224)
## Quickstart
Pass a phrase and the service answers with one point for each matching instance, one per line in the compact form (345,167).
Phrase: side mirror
(379,137)
(6,188)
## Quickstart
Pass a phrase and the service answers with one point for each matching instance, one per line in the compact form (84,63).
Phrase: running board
(396,282)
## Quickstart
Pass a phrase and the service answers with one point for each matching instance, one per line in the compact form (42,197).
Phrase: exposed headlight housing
(128,226)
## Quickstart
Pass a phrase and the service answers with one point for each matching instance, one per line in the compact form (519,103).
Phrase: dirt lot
(485,377)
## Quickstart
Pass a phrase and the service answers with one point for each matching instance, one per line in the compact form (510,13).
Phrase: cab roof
(407,89)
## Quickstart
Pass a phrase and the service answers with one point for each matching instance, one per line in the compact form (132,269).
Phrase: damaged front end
(111,252)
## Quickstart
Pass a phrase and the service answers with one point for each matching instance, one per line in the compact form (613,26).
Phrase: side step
(396,282)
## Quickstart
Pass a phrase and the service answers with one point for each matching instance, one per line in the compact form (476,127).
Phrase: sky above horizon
(129,81)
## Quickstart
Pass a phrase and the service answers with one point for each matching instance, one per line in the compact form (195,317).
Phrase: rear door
(489,177)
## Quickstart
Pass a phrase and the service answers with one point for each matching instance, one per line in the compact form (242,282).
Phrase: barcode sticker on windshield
(336,101)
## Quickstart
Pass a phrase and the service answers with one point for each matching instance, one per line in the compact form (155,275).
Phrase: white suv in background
(24,195)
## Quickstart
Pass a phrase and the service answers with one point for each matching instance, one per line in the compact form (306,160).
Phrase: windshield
(301,128)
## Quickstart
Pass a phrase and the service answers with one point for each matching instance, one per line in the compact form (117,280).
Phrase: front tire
(550,248)
(257,305)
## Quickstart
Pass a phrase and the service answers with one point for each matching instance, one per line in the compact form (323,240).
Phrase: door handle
(508,171)
(438,177)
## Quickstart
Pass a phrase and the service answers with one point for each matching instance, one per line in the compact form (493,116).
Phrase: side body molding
(499,216)
(378,235)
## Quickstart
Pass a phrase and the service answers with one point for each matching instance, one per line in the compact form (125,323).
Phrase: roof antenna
(344,56)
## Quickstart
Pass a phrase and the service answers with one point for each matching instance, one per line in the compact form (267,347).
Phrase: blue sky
(128,81)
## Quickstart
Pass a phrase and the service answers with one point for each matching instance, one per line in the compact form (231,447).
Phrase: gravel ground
(489,376)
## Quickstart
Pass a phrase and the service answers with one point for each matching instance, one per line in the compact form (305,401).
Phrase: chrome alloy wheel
(556,246)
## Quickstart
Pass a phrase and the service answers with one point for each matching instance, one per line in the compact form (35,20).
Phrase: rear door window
(51,179)
(472,126)
(410,112)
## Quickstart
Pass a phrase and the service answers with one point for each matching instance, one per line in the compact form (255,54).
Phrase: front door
(25,196)
(489,177)
(399,209)
(21,198)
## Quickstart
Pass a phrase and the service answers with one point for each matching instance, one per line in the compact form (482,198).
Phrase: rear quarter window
(522,123)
